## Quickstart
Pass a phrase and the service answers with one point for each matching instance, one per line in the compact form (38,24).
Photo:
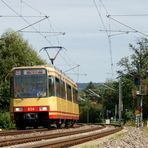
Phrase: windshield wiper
(19,95)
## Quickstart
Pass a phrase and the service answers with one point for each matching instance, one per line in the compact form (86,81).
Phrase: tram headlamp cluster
(43,108)
(18,109)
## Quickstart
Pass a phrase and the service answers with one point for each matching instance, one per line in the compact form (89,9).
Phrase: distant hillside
(82,86)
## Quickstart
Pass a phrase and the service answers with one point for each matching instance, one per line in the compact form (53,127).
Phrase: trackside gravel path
(130,137)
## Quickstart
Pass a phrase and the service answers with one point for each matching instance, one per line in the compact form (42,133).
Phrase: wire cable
(21,7)
(108,34)
(127,26)
(99,15)
(25,21)
(104,7)
(128,15)
(32,7)
(52,29)
(48,32)
(122,31)
(110,49)
(33,24)
(21,16)
(28,5)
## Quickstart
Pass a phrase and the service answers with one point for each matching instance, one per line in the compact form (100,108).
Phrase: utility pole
(141,107)
(120,106)
(115,112)
(139,102)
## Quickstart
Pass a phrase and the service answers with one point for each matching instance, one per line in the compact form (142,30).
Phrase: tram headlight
(18,109)
(43,108)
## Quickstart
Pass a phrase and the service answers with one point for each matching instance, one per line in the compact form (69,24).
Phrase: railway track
(28,131)
(46,135)
(18,132)
(75,140)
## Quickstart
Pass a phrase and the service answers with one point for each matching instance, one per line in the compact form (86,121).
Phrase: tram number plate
(30,109)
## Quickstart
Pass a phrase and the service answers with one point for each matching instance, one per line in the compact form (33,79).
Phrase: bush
(5,121)
(129,115)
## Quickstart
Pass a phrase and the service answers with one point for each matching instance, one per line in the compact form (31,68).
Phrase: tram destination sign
(30,71)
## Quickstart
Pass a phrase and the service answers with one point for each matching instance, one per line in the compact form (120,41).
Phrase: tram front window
(30,85)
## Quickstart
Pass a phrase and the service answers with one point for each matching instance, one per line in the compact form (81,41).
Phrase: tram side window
(75,96)
(51,86)
(69,94)
(63,89)
(58,91)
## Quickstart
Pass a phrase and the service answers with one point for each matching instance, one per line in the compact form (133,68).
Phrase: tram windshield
(30,83)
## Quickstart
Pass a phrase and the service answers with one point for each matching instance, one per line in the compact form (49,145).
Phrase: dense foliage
(14,51)
(100,105)
(135,73)
(5,121)
(90,104)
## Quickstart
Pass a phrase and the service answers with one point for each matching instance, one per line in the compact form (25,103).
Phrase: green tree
(137,63)
(132,67)
(90,104)
(109,93)
(14,51)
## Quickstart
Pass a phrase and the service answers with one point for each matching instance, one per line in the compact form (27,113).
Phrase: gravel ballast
(129,137)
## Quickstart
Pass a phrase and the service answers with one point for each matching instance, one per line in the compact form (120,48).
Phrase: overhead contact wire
(109,40)
(127,26)
(33,8)
(33,24)
(129,15)
(25,20)
(51,27)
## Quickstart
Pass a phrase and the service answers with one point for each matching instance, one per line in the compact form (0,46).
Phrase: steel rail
(32,138)
(71,141)
(18,132)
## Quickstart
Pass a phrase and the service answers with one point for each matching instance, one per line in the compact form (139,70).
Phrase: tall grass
(5,121)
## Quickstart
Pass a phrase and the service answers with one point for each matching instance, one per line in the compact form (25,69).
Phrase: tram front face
(28,86)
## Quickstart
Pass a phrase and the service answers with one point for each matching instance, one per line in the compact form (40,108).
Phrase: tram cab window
(30,86)
(51,86)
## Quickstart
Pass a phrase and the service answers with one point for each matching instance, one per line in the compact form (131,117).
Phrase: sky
(90,52)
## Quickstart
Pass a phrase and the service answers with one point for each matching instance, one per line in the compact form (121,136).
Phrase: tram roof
(49,68)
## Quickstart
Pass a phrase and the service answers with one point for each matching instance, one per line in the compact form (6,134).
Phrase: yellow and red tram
(42,95)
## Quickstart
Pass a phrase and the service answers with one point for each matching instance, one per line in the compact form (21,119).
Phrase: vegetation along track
(46,135)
